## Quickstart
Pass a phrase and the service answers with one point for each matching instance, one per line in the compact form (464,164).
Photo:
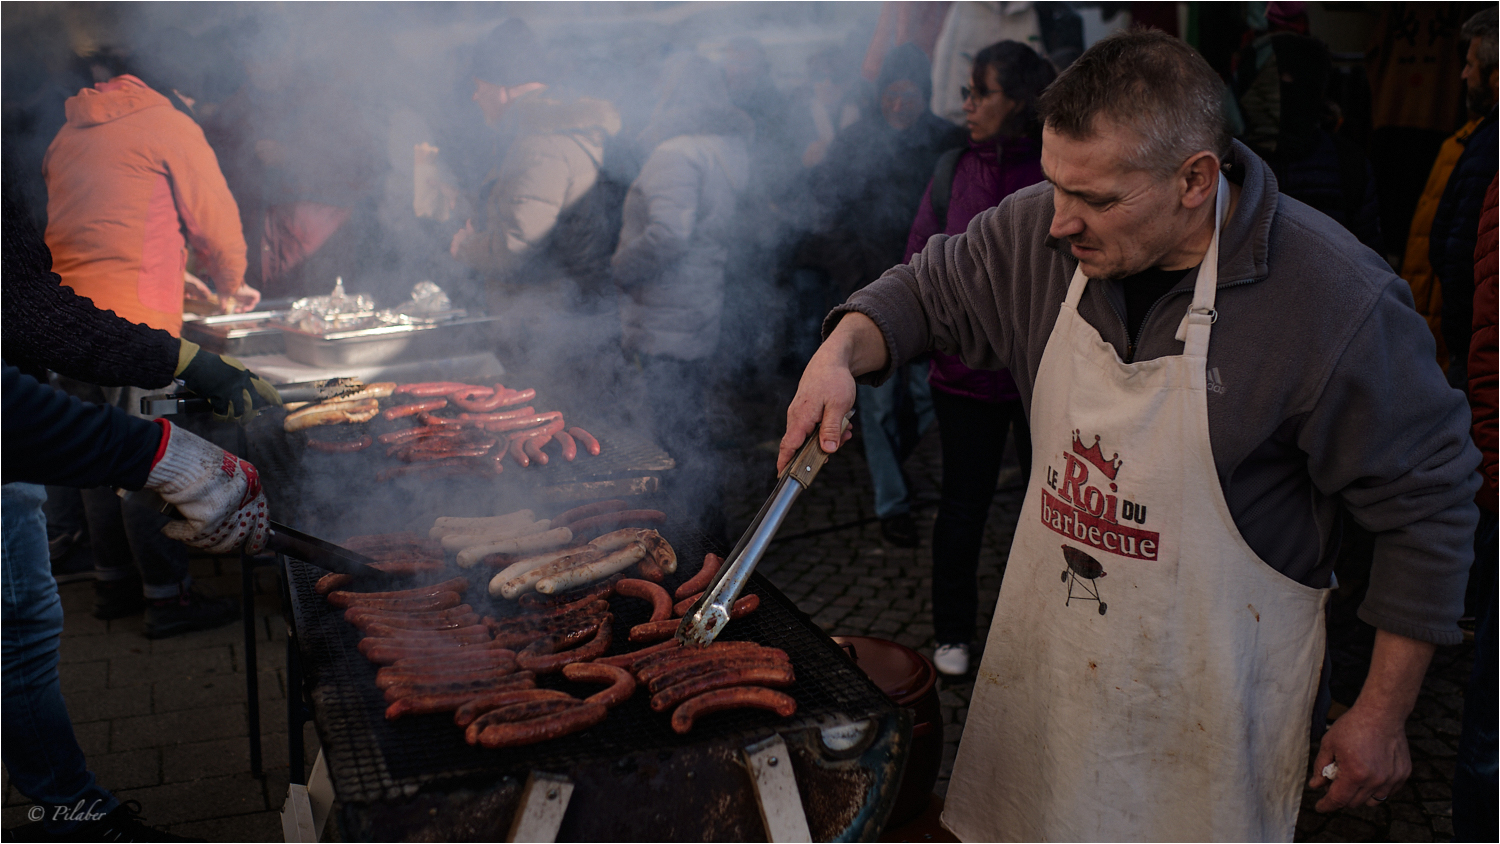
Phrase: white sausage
(469,557)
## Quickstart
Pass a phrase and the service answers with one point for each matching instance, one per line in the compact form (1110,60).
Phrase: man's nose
(1064,222)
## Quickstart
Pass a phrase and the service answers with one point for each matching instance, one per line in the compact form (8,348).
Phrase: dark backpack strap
(942,184)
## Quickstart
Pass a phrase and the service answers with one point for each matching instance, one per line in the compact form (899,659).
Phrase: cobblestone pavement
(164,722)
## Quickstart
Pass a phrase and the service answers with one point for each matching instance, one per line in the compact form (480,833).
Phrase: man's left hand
(241,301)
(1372,755)
(1368,743)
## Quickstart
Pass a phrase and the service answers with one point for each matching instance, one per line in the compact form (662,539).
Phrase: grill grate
(372,759)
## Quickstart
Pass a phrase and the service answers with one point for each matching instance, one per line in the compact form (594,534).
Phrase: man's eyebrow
(1086,196)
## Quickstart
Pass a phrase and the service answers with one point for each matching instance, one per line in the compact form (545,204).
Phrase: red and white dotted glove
(218,494)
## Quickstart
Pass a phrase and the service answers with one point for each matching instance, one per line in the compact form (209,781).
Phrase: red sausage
(411,621)
(563,723)
(500,416)
(466,714)
(544,657)
(601,589)
(518,453)
(471,633)
(387,651)
(409,567)
(661,602)
(585,439)
(332,582)
(471,392)
(743,607)
(340,447)
(438,601)
(467,661)
(546,430)
(427,704)
(532,446)
(521,422)
(738,697)
(492,399)
(661,657)
(621,684)
(392,675)
(719,653)
(348,599)
(633,659)
(725,667)
(764,675)
(655,631)
(445,614)
(524,710)
(413,409)
(569,447)
(473,687)
(436,388)
(518,397)
(699,582)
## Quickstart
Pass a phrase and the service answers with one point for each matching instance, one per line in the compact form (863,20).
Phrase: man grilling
(1215,375)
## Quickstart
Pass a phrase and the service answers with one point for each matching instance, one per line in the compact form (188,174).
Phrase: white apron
(1147,676)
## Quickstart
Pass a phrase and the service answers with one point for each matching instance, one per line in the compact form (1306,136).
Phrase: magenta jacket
(986,174)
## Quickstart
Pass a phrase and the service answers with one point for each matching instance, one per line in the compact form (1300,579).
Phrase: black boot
(190,610)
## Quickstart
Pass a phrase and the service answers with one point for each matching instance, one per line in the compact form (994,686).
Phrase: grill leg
(252,668)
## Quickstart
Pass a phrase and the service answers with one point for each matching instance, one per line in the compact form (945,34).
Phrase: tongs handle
(703,623)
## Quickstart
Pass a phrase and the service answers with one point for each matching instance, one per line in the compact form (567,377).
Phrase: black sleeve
(44,325)
(53,438)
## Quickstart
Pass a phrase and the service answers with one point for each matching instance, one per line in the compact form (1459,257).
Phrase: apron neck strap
(1194,330)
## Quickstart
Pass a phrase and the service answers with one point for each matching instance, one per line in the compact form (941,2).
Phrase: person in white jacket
(679,219)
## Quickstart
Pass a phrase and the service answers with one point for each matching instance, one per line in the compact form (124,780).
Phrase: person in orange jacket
(131,185)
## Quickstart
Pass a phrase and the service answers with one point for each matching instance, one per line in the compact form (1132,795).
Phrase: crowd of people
(689,222)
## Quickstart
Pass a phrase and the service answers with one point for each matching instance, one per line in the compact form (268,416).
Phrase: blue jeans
(892,418)
(1478,766)
(43,757)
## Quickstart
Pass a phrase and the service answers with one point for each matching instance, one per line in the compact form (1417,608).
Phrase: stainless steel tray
(249,333)
(369,346)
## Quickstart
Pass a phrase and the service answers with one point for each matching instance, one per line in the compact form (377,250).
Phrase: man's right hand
(826,392)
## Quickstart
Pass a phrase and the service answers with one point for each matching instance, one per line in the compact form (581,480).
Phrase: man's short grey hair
(1483,26)
(1147,81)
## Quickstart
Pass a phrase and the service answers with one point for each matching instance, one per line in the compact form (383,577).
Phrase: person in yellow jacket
(1415,267)
(131,185)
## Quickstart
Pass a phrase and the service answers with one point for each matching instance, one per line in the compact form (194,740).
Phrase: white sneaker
(952,660)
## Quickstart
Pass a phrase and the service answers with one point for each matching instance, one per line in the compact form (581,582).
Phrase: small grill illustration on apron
(1086,567)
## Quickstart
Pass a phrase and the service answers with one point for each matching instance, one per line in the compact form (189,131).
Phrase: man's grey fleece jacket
(1330,397)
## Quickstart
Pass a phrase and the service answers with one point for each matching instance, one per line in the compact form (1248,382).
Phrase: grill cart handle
(707,618)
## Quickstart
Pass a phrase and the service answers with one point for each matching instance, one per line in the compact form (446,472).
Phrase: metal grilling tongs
(707,618)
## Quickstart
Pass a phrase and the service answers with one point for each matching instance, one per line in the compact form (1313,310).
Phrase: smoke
(314,106)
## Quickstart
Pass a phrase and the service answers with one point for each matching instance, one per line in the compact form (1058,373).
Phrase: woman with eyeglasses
(1003,156)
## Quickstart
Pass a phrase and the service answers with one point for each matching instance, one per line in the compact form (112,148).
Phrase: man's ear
(1198,177)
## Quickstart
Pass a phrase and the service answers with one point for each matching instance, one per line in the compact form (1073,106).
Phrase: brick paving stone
(119,703)
(132,769)
(212,661)
(256,826)
(170,728)
(216,690)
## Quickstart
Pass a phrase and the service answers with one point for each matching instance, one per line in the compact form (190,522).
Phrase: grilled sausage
(650,570)
(658,674)
(761,675)
(516,568)
(484,402)
(436,601)
(621,683)
(387,651)
(562,578)
(601,589)
(547,655)
(411,567)
(408,434)
(332,582)
(681,608)
(605,522)
(532,447)
(469,634)
(737,697)
(522,422)
(744,606)
(343,598)
(522,636)
(598,508)
(465,715)
(518,397)
(459,541)
(444,525)
(661,602)
(563,723)
(428,704)
(551,616)
(615,540)
(567,444)
(340,446)
(653,657)
(330,413)
(499,416)
(524,710)
(413,408)
(430,388)
(655,631)
(585,439)
(630,661)
(389,676)
(465,661)
(691,672)
(415,623)
(699,582)
(554,538)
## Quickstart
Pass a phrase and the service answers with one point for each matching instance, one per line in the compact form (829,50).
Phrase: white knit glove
(217,493)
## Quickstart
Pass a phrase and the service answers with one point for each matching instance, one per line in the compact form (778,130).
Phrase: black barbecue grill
(412,778)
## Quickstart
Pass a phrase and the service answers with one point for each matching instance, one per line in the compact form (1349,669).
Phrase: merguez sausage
(767,675)
(633,659)
(524,710)
(585,439)
(433,388)
(661,602)
(699,582)
(738,697)
(563,723)
(598,508)
(621,684)
(413,408)
(465,715)
(569,447)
